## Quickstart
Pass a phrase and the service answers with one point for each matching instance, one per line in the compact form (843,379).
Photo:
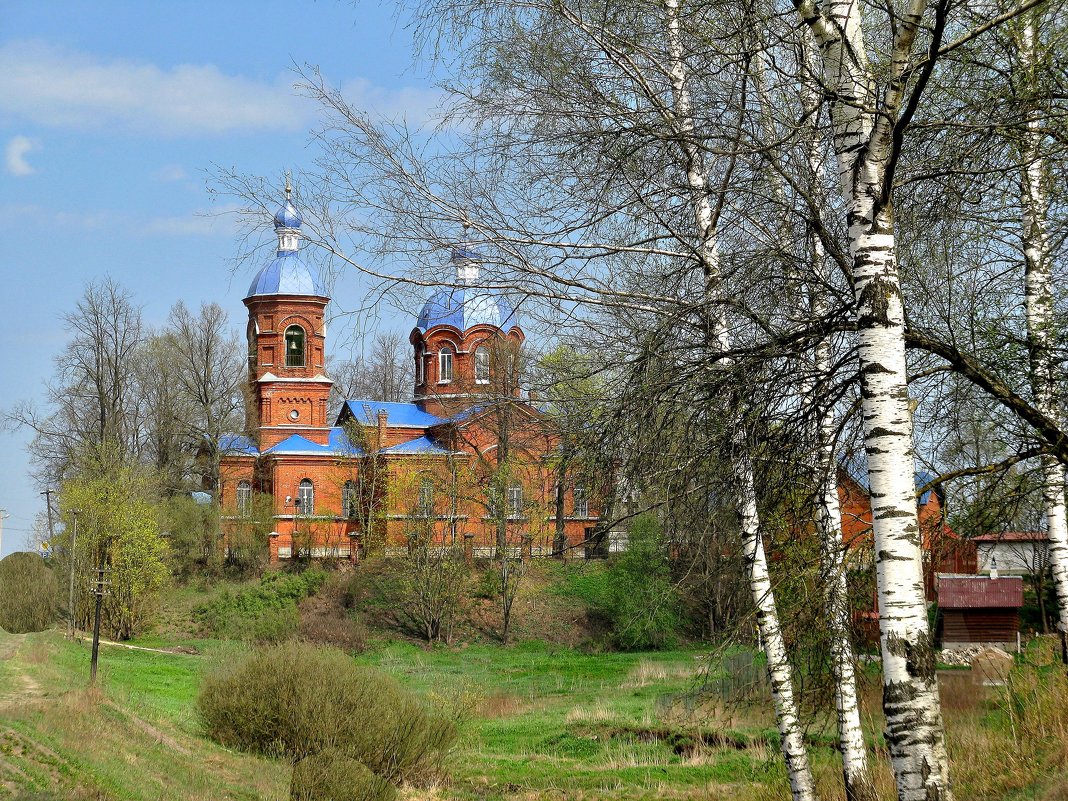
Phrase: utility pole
(3,516)
(99,591)
(72,556)
(48,509)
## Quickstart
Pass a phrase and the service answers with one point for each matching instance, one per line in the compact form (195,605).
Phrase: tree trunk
(802,786)
(560,541)
(1039,308)
(864,146)
(832,564)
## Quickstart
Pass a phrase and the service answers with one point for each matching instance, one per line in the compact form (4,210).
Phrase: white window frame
(445,365)
(244,498)
(426,497)
(420,357)
(306,497)
(581,502)
(350,494)
(482,365)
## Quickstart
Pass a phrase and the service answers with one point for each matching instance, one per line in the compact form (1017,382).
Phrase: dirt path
(181,650)
(19,686)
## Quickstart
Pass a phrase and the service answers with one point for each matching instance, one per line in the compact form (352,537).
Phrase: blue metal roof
(287,274)
(287,217)
(297,445)
(237,445)
(464,307)
(422,445)
(399,414)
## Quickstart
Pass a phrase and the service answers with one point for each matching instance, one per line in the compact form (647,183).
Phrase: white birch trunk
(828,522)
(855,772)
(1038,295)
(780,674)
(914,728)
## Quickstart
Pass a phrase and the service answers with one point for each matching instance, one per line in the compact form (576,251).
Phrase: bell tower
(287,341)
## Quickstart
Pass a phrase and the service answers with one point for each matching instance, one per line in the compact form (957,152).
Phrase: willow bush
(28,594)
(349,731)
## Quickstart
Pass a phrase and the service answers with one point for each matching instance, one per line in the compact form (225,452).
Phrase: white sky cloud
(171,172)
(57,87)
(220,221)
(15,155)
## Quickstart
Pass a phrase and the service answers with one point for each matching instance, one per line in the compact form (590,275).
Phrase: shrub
(266,613)
(328,618)
(641,599)
(196,545)
(431,583)
(347,729)
(29,600)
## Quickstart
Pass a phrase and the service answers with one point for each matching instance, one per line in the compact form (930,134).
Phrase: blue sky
(112,115)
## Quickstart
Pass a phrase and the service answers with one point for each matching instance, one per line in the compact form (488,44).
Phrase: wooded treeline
(128,432)
(784,235)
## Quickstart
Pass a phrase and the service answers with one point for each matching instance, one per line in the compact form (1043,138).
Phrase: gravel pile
(962,657)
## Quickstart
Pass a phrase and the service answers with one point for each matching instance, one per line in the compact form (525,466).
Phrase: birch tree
(1038,278)
(867,127)
(680,119)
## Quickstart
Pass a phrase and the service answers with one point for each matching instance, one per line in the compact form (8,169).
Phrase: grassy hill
(552,717)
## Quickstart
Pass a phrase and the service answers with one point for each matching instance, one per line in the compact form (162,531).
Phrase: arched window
(350,499)
(250,337)
(244,498)
(426,498)
(445,365)
(420,364)
(482,365)
(306,498)
(294,346)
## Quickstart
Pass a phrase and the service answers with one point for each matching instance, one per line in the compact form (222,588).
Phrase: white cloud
(15,155)
(414,104)
(222,220)
(58,87)
(52,86)
(171,172)
(218,220)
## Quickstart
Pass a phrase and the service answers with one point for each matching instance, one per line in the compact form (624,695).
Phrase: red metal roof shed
(980,592)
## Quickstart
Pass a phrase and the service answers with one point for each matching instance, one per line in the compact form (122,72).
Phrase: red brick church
(469,461)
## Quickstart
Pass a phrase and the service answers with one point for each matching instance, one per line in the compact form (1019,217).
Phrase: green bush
(28,600)
(351,732)
(265,613)
(589,582)
(641,599)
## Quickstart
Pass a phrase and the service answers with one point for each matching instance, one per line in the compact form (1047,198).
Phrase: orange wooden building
(469,461)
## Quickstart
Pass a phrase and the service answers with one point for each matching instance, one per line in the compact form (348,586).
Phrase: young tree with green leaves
(118,530)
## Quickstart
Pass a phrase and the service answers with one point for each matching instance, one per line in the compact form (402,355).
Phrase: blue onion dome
(287,273)
(287,216)
(465,305)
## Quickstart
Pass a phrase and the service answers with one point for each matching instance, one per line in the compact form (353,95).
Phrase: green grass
(540,720)
(134,739)
(554,719)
